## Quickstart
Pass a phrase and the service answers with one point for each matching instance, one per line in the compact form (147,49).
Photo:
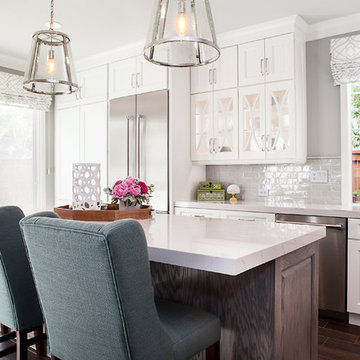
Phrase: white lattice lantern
(86,187)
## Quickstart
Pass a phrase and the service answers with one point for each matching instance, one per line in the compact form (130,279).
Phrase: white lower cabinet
(225,214)
(202,213)
(354,268)
(80,136)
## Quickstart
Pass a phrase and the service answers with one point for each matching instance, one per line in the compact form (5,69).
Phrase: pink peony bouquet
(130,191)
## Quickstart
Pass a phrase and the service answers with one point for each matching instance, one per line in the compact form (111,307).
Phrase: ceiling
(95,26)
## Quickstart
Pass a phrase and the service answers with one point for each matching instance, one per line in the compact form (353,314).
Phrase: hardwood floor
(337,341)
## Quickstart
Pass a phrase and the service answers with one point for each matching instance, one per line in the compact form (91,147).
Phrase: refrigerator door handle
(128,119)
(139,142)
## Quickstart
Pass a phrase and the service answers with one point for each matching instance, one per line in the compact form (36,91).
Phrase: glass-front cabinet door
(252,122)
(225,140)
(280,120)
(202,127)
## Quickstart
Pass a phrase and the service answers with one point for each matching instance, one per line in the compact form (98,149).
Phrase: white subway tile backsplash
(289,183)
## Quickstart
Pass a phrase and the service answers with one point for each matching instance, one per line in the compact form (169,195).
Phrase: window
(355,139)
(22,157)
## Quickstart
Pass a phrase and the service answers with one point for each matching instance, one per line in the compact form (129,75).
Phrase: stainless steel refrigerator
(138,143)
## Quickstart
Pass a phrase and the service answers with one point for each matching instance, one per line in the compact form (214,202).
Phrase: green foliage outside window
(356,116)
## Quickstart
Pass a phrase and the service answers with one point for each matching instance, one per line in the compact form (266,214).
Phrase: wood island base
(268,313)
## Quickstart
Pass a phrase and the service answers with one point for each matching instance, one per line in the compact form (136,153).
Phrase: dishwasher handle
(332,226)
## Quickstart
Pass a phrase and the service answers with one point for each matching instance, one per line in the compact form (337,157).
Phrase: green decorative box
(211,195)
(213,185)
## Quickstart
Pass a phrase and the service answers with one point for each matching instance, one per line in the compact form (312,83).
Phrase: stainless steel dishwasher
(332,262)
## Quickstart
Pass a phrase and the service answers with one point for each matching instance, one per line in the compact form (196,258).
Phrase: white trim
(354,319)
(346,153)
(39,162)
(110,56)
(264,30)
(12,62)
(333,27)
(290,24)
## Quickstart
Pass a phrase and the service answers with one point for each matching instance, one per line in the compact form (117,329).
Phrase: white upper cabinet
(252,122)
(251,63)
(202,116)
(220,75)
(225,125)
(266,60)
(93,87)
(151,77)
(279,58)
(280,120)
(267,122)
(225,69)
(122,78)
(201,79)
(136,76)
(214,126)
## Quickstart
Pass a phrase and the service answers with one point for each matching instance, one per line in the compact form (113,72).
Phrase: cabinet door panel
(279,58)
(201,79)
(354,277)
(94,84)
(201,126)
(122,78)
(67,152)
(280,120)
(94,127)
(150,77)
(226,125)
(251,63)
(225,69)
(252,122)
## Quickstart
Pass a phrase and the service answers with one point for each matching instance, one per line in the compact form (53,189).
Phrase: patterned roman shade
(345,59)
(13,93)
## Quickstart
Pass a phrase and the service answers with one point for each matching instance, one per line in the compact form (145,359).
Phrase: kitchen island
(261,279)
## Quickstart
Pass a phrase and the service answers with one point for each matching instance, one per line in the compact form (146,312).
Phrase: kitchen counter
(277,207)
(220,245)
(258,278)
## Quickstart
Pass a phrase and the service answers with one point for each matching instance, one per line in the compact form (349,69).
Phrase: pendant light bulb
(182,21)
(51,65)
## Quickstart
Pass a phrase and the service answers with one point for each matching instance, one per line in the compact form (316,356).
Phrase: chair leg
(21,345)
(213,352)
(41,345)
(4,329)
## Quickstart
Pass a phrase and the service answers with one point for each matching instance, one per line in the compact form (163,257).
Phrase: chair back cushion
(95,289)
(19,304)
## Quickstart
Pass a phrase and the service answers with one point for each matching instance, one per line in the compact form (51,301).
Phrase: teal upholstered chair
(95,289)
(19,305)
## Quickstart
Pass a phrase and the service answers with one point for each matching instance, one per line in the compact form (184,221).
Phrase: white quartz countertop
(220,245)
(277,208)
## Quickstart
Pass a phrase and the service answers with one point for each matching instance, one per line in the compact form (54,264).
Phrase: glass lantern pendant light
(182,34)
(50,70)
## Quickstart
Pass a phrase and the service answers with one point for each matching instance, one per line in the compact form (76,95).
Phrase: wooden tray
(102,215)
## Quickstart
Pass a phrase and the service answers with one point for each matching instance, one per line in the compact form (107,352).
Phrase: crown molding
(333,27)
(110,56)
(264,30)
(13,63)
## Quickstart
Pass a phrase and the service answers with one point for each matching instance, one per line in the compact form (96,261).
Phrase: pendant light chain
(52,15)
